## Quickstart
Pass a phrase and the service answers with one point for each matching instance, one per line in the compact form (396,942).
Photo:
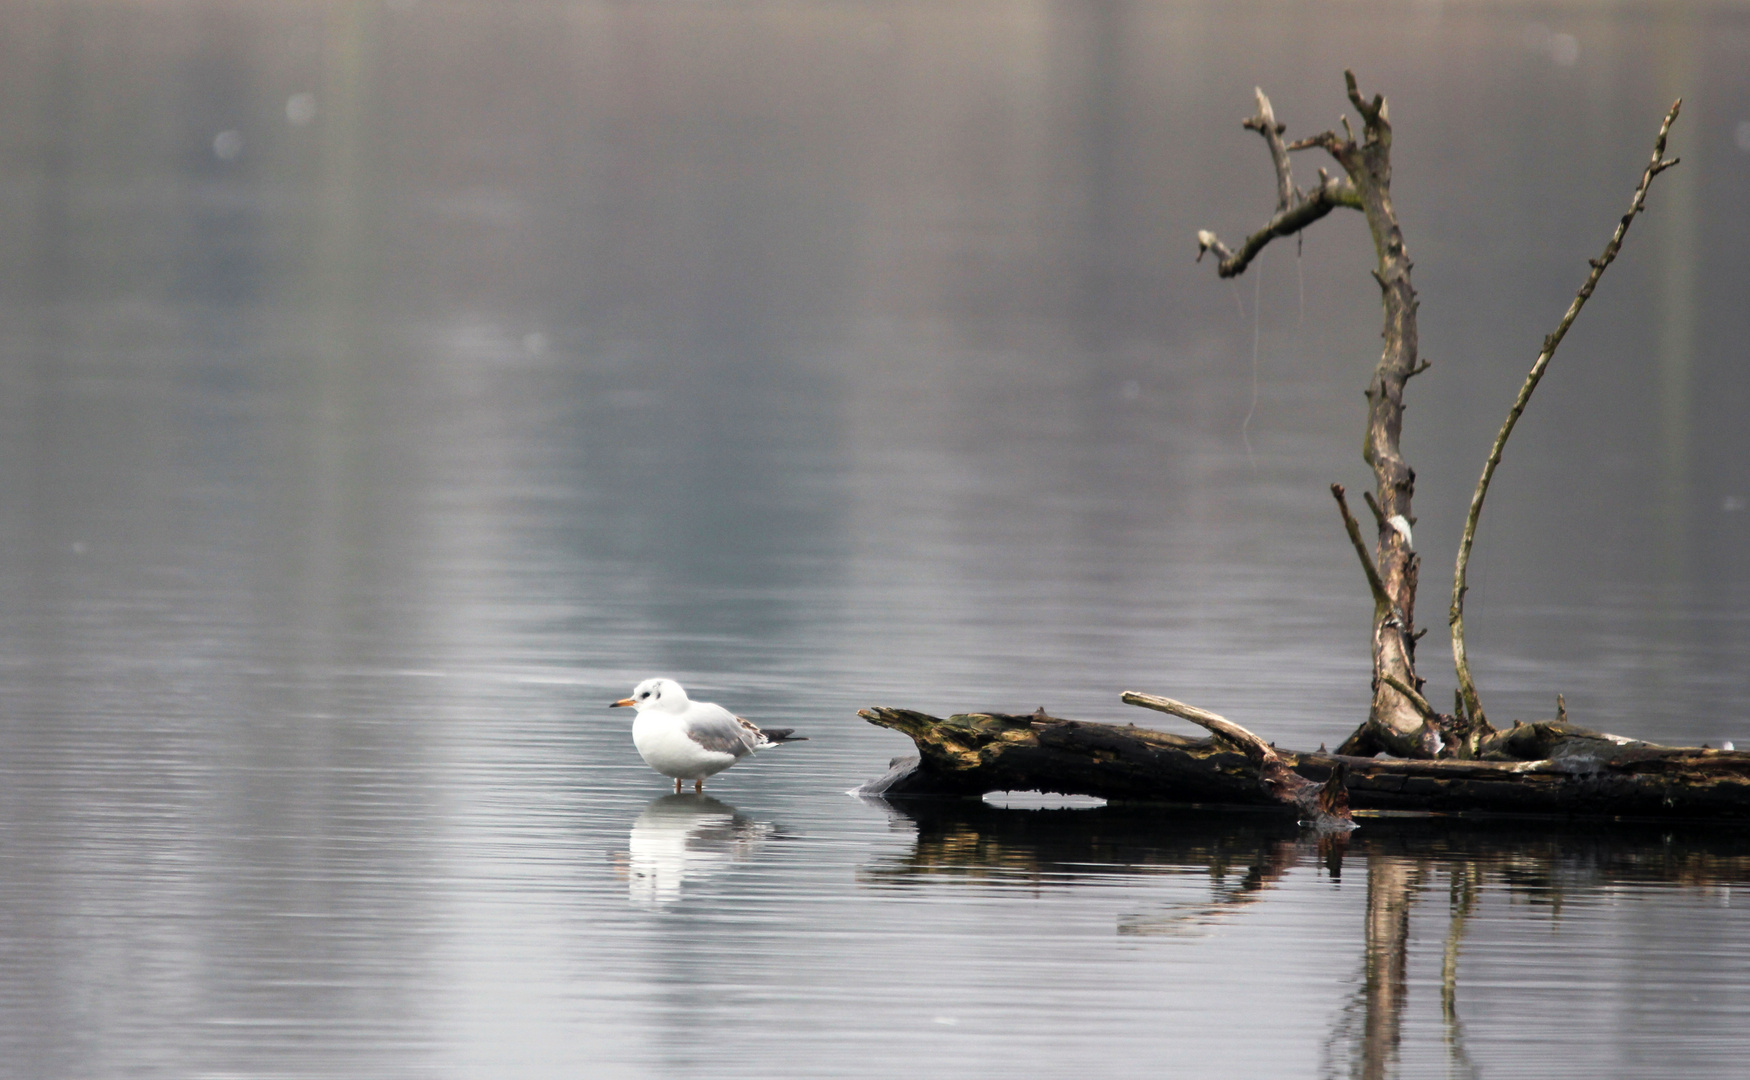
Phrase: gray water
(385,388)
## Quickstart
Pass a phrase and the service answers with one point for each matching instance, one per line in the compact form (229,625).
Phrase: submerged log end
(1330,803)
(966,754)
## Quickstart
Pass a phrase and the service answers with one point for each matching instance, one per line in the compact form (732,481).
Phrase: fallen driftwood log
(1548,768)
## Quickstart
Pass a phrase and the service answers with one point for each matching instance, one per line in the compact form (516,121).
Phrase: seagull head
(655,694)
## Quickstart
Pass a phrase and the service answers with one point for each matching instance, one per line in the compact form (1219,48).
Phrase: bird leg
(677,785)
(698,787)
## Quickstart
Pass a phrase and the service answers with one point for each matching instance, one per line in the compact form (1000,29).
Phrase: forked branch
(1295,210)
(1659,163)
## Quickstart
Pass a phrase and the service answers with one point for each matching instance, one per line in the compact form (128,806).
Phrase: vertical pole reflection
(1392,883)
(1467,879)
(1365,1041)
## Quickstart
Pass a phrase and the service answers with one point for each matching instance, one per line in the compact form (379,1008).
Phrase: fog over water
(387,387)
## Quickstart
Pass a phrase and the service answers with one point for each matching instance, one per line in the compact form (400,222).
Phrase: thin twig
(1373,505)
(1265,124)
(1373,113)
(1404,688)
(1657,165)
(1380,599)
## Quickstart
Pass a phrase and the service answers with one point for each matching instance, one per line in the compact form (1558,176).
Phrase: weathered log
(970,754)
(1575,773)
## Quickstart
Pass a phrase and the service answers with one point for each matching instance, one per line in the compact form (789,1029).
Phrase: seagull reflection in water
(685,838)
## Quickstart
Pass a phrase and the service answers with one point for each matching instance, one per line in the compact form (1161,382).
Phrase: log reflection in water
(1243,855)
(1540,863)
(1543,863)
(968,838)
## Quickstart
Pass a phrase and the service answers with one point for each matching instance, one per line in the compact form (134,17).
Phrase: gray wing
(716,728)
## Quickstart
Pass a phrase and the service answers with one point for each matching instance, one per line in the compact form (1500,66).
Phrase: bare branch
(1373,505)
(1265,124)
(1323,140)
(1294,210)
(1308,208)
(1208,241)
(1380,600)
(1220,726)
(1455,616)
(1372,113)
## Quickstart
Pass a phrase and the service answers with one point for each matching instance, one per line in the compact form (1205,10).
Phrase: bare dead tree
(1398,720)
(1547,767)
(1401,720)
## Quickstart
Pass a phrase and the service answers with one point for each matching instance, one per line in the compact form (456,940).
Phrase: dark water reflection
(384,387)
(1440,896)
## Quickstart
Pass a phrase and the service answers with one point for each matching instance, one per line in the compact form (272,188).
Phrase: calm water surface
(385,388)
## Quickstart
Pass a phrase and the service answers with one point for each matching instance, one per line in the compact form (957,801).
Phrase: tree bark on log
(1546,768)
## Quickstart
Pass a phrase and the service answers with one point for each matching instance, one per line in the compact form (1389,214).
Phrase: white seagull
(690,740)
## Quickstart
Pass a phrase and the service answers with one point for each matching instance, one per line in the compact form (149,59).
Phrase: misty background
(387,386)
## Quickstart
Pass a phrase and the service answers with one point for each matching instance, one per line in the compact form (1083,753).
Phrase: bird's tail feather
(782,734)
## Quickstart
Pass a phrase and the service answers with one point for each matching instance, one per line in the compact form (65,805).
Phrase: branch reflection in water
(684,838)
(1540,864)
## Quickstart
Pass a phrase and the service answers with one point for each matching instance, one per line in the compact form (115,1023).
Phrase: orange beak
(623,702)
